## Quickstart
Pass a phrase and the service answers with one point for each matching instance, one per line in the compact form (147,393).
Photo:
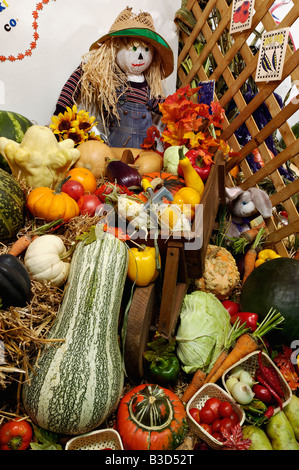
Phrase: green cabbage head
(204,326)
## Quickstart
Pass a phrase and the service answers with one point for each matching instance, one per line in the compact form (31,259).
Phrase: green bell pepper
(164,366)
(165,370)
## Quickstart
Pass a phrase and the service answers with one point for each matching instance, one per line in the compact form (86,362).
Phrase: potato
(292,413)
(281,433)
(258,437)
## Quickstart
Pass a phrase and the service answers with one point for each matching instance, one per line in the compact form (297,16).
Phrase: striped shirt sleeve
(69,92)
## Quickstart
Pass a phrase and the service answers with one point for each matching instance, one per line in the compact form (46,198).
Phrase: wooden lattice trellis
(214,54)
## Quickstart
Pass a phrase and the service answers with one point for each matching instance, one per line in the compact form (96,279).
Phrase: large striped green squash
(12,202)
(79,384)
(12,126)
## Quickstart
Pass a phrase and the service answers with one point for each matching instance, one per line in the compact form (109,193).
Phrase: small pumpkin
(161,178)
(15,282)
(47,261)
(49,204)
(150,417)
(93,157)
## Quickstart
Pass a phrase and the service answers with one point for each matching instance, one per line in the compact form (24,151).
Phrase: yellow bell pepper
(187,199)
(142,267)
(265,255)
(191,177)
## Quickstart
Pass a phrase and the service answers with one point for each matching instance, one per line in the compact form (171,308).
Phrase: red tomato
(226,423)
(213,403)
(262,393)
(225,409)
(194,412)
(73,188)
(88,204)
(218,436)
(216,425)
(206,427)
(206,415)
(15,435)
(232,307)
(234,417)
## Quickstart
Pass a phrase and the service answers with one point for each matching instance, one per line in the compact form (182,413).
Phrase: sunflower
(73,124)
(63,122)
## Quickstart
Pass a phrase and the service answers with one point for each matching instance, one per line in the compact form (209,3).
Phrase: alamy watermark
(156,222)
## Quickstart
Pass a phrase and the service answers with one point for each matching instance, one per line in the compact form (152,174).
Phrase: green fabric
(141,32)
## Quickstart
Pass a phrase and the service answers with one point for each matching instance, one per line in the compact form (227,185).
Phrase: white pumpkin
(45,260)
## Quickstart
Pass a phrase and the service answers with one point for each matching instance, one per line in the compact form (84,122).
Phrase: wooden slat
(280,118)
(263,94)
(237,48)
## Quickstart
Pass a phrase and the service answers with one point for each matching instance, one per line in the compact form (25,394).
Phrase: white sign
(242,12)
(272,55)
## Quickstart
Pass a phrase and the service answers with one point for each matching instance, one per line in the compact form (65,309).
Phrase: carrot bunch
(246,344)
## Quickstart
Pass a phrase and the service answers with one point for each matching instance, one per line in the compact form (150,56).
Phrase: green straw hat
(141,26)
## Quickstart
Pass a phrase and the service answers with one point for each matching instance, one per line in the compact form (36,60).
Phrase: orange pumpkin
(49,204)
(172,182)
(85,177)
(151,417)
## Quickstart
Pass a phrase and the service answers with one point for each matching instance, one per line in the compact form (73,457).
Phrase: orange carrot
(249,261)
(20,245)
(195,384)
(244,345)
(251,234)
(222,356)
(250,257)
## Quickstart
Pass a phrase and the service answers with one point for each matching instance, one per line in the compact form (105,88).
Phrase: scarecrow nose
(140,57)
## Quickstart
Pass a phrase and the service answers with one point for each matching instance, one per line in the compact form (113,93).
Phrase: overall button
(143,116)
(125,113)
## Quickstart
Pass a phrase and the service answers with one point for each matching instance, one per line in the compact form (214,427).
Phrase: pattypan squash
(39,160)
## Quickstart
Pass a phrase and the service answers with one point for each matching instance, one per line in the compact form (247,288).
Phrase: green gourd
(78,382)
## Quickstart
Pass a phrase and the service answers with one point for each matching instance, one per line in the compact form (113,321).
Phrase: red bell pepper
(15,435)
(197,163)
(245,317)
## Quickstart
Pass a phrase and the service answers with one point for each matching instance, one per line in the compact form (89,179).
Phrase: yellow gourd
(191,177)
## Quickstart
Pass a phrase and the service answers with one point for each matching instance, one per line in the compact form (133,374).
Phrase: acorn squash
(15,282)
(275,284)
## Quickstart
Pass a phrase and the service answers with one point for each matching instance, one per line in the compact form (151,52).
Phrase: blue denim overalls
(131,130)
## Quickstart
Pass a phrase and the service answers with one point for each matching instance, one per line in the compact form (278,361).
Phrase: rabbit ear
(233,193)
(261,201)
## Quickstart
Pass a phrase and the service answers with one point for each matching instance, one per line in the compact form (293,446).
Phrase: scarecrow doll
(121,78)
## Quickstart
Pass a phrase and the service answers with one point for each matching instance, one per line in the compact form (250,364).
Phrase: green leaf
(47,440)
(160,347)
(88,237)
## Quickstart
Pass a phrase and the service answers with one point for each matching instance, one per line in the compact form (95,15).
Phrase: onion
(242,393)
(149,161)
(231,381)
(236,372)
(123,174)
(246,378)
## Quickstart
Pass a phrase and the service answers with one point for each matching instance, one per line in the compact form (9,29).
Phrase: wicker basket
(198,400)
(96,440)
(250,364)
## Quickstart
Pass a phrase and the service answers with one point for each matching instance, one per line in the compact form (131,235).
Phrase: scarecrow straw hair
(102,78)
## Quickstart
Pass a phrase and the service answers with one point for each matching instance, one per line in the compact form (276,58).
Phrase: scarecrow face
(134,58)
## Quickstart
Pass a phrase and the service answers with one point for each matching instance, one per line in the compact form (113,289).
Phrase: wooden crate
(204,36)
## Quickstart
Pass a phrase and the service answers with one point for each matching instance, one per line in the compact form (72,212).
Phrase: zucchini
(77,385)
